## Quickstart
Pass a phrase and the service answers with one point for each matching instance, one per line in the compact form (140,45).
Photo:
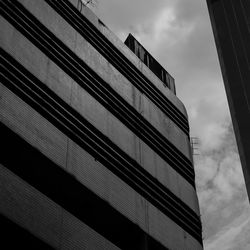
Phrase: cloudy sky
(179,35)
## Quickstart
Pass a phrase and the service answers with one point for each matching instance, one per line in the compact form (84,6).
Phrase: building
(231,26)
(95,150)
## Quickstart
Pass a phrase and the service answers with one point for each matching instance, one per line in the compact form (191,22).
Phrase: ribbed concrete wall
(52,143)
(62,150)
(43,217)
(85,104)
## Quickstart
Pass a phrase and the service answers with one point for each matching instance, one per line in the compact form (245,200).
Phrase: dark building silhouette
(95,150)
(231,26)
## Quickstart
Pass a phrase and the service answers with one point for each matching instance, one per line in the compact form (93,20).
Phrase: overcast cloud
(178,34)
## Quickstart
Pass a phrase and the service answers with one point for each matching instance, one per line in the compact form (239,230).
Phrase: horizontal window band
(64,189)
(25,85)
(14,235)
(82,25)
(97,87)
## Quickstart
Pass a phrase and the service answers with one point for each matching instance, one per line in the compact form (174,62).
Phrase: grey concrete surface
(113,77)
(44,218)
(41,134)
(55,78)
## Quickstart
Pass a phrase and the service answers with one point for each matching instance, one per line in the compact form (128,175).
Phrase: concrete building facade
(231,26)
(95,150)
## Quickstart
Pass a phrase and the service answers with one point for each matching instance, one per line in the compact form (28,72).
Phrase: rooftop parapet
(150,62)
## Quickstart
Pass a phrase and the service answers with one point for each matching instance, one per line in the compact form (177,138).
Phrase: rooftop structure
(150,62)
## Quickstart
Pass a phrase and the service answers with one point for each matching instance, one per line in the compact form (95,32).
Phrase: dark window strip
(98,88)
(69,121)
(118,60)
(64,189)
(14,236)
(87,136)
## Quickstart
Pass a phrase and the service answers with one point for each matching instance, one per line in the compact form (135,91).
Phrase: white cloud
(221,191)
(208,119)
(168,31)
(230,175)
(218,172)
(127,15)
(212,135)
(206,170)
(162,31)
(234,236)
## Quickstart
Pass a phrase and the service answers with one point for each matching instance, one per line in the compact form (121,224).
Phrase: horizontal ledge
(58,52)
(72,124)
(64,189)
(118,60)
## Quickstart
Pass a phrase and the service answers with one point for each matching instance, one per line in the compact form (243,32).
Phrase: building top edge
(125,51)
